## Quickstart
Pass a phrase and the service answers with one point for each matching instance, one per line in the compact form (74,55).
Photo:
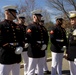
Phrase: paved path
(65,67)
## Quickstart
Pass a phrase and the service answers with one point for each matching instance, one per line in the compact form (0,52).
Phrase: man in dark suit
(10,45)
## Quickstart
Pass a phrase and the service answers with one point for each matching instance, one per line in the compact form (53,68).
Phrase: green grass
(48,49)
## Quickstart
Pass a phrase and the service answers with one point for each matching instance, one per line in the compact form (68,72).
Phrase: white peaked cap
(21,15)
(59,16)
(38,11)
(7,7)
(72,14)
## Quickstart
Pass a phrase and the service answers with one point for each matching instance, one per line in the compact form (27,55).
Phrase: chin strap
(13,15)
(38,19)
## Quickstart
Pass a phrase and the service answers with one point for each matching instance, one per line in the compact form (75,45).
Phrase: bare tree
(46,16)
(62,8)
(63,5)
(59,5)
(47,19)
(73,3)
(26,7)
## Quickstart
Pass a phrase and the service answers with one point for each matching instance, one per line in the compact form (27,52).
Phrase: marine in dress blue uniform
(21,23)
(58,43)
(71,48)
(37,44)
(45,67)
(9,43)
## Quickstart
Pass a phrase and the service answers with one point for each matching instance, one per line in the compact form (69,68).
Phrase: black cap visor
(22,17)
(38,15)
(12,10)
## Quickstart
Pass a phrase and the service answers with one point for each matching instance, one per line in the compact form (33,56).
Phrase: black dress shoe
(47,72)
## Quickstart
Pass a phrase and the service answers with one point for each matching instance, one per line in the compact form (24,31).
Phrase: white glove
(26,45)
(63,48)
(18,50)
(43,47)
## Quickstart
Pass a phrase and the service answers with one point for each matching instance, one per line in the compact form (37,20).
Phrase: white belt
(40,41)
(14,44)
(60,40)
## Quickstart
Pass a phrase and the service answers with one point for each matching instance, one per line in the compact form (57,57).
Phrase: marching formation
(28,44)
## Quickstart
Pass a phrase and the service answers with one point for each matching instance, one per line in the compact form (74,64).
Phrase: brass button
(41,33)
(7,30)
(12,26)
(14,48)
(11,46)
(14,33)
(15,40)
(13,30)
(14,36)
